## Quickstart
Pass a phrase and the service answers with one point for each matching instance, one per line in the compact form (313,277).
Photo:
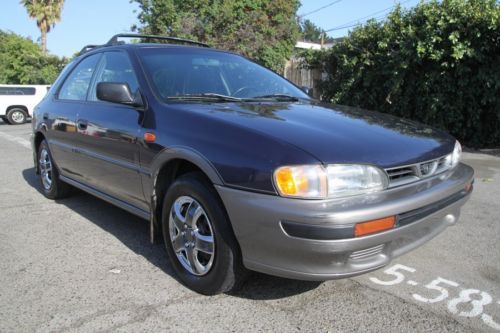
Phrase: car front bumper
(314,239)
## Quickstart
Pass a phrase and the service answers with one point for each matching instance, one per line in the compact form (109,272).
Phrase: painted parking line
(457,298)
(23,142)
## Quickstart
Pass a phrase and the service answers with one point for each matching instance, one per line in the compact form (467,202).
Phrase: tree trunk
(44,40)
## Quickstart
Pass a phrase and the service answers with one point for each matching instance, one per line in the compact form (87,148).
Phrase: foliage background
(312,33)
(438,63)
(23,62)
(263,30)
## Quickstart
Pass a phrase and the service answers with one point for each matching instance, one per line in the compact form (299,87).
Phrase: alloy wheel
(45,165)
(191,235)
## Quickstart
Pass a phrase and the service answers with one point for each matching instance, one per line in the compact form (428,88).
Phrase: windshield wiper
(205,96)
(278,97)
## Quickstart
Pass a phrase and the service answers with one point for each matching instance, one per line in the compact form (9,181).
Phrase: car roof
(114,41)
(135,46)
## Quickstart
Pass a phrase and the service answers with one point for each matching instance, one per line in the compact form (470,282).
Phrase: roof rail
(87,48)
(114,41)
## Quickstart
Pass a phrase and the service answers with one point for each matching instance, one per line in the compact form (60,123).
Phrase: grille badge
(427,169)
(407,174)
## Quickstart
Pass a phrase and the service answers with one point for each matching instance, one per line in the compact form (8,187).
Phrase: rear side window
(114,67)
(77,83)
(17,91)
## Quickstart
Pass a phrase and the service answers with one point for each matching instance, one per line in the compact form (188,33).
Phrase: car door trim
(110,199)
(88,153)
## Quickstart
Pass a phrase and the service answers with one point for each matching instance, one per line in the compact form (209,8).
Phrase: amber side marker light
(374,226)
(149,137)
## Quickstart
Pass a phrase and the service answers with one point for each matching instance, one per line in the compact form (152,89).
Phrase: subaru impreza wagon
(238,169)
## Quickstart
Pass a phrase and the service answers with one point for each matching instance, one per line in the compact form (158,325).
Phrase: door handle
(82,124)
(45,116)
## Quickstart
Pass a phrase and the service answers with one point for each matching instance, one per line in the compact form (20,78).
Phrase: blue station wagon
(238,169)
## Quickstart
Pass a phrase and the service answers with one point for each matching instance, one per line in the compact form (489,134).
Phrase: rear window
(17,91)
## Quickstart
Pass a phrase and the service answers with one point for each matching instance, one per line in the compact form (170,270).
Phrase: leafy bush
(23,62)
(438,63)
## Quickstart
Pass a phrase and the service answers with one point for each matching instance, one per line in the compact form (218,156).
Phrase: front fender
(185,153)
(164,157)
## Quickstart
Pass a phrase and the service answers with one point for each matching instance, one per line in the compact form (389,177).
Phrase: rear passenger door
(107,135)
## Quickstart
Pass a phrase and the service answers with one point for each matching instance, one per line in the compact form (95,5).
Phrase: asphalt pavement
(82,265)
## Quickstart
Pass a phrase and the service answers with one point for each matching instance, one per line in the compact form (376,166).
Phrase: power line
(356,22)
(321,8)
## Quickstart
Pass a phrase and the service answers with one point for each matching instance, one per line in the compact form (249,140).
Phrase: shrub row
(438,63)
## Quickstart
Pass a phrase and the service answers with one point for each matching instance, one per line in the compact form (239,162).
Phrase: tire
(17,116)
(52,187)
(209,228)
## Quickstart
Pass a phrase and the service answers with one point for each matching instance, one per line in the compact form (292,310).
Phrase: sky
(95,21)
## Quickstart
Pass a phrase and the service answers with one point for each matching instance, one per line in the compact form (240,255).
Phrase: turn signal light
(149,137)
(374,226)
(301,181)
(285,181)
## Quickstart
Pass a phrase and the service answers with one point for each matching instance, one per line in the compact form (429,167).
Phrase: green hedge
(438,63)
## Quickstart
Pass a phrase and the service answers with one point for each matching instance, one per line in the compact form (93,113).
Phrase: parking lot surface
(80,265)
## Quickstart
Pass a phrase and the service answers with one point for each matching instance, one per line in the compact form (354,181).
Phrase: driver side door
(107,135)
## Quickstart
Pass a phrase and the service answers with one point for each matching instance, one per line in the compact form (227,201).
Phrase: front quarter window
(76,85)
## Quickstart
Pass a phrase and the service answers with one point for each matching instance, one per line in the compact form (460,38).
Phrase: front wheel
(199,238)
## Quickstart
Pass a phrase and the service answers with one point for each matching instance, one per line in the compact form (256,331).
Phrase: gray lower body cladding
(260,224)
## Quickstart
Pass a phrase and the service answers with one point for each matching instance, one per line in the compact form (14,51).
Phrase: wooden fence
(296,72)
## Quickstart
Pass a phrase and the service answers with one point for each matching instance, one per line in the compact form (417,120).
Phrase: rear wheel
(199,237)
(52,186)
(17,116)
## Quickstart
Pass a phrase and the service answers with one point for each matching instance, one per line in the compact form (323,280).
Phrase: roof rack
(114,41)
(87,48)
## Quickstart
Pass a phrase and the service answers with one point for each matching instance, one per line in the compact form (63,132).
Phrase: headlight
(337,180)
(345,180)
(456,155)
(452,160)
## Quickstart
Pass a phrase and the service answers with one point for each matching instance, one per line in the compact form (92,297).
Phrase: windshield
(178,73)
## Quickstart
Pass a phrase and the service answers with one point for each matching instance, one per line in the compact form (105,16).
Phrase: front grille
(411,173)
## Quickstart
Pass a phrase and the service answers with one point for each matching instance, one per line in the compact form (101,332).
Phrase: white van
(17,101)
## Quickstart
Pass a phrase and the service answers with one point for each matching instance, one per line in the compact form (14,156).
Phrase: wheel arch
(38,137)
(22,107)
(170,164)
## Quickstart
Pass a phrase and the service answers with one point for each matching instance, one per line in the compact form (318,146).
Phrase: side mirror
(118,92)
(307,90)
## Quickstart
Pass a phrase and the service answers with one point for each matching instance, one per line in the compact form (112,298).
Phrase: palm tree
(46,13)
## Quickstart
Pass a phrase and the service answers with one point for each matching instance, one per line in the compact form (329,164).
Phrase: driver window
(115,67)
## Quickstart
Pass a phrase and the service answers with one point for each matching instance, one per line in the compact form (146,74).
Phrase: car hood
(337,134)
